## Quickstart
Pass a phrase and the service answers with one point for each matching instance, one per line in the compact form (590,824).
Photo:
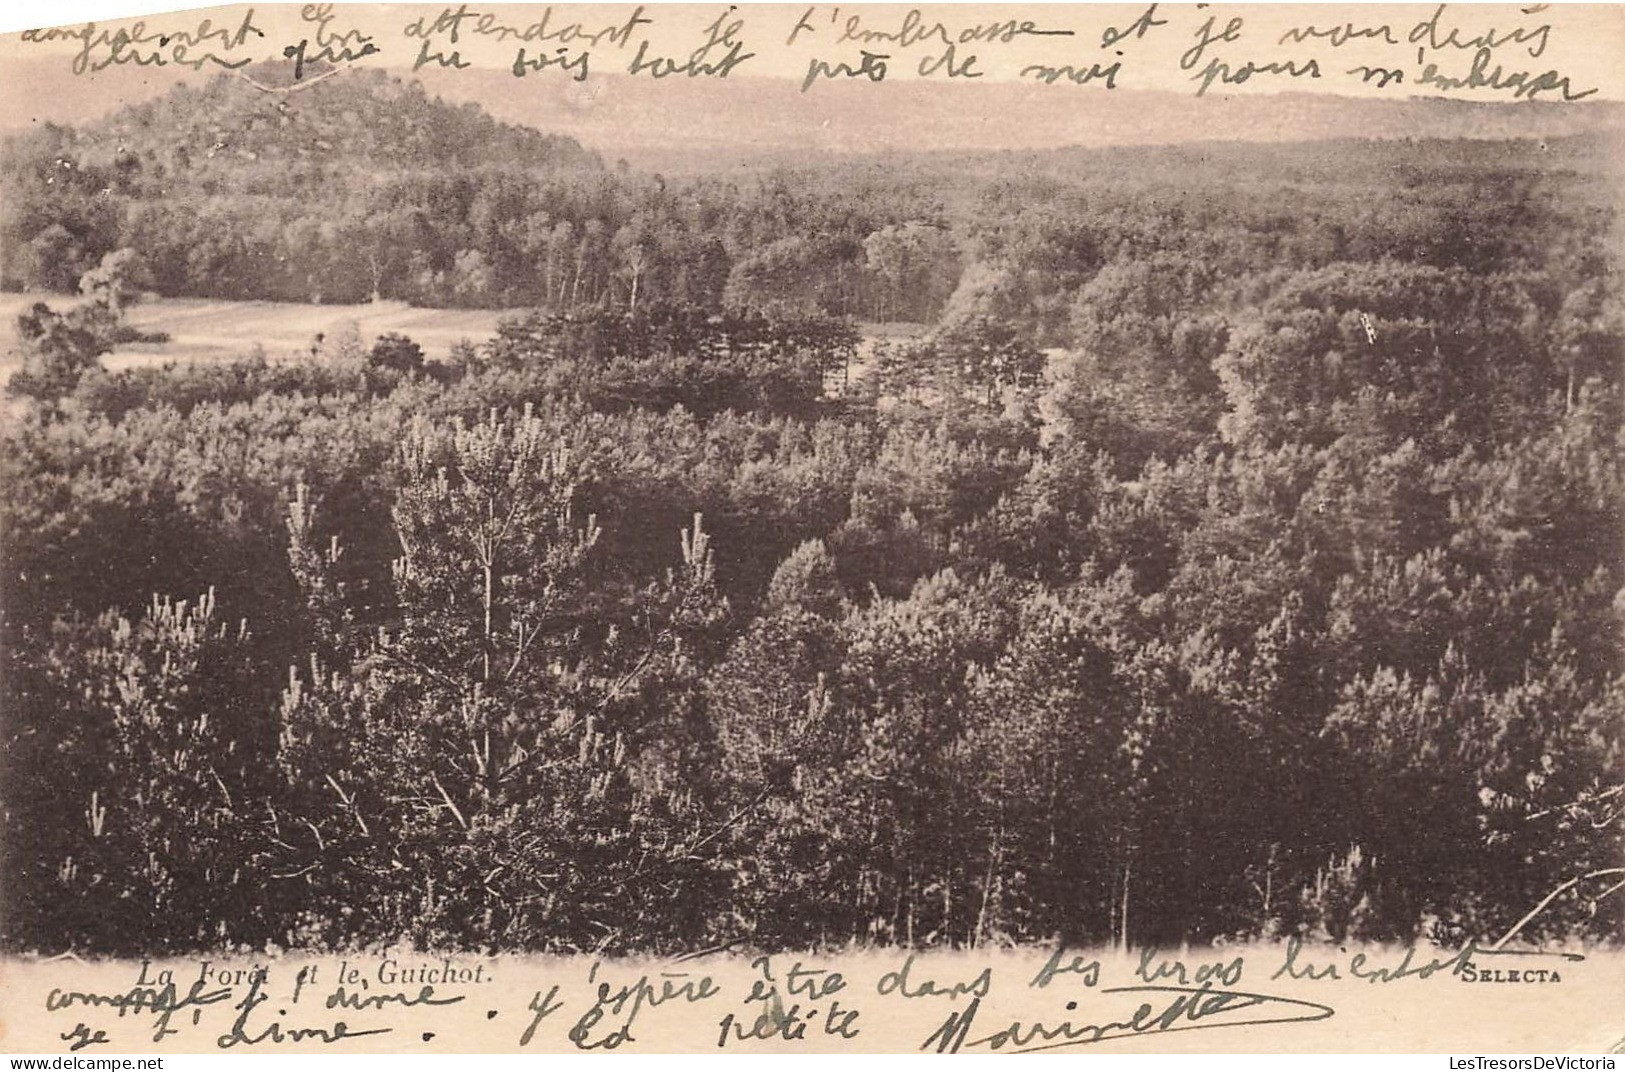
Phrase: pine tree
(478,773)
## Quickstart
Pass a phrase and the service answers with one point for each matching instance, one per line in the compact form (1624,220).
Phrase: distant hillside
(1324,165)
(361,186)
(702,125)
(705,125)
(335,189)
(365,117)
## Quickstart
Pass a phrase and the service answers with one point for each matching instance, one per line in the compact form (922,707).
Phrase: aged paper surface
(1339,948)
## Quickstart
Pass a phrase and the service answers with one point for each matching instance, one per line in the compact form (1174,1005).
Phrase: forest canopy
(1232,552)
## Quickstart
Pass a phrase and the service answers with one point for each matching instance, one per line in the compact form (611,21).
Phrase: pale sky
(1582,43)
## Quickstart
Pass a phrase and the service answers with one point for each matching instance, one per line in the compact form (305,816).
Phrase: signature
(1181,1009)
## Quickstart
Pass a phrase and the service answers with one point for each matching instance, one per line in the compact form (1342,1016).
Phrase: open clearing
(204,329)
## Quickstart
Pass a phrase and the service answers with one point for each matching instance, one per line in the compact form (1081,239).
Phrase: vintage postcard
(832,528)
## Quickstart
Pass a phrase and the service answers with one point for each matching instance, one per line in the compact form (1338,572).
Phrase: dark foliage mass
(1235,555)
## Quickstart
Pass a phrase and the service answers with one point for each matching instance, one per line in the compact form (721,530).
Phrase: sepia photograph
(1115,499)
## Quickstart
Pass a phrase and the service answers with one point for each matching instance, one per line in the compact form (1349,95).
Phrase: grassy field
(205,329)
(202,329)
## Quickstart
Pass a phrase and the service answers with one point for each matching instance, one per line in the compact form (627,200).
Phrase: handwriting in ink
(626,1002)
(1295,966)
(1152,968)
(1219,71)
(543,1007)
(1523,84)
(721,36)
(426,56)
(1089,971)
(330,46)
(900,982)
(81,1036)
(343,999)
(1182,1009)
(163,1002)
(455,23)
(276,1032)
(1111,36)
(1381,75)
(1428,34)
(815,983)
(1338,34)
(103,48)
(872,66)
(914,30)
(1081,74)
(949,64)
(561,58)
(777,1023)
(1206,35)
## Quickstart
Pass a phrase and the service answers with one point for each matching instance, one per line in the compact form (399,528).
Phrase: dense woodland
(1235,552)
